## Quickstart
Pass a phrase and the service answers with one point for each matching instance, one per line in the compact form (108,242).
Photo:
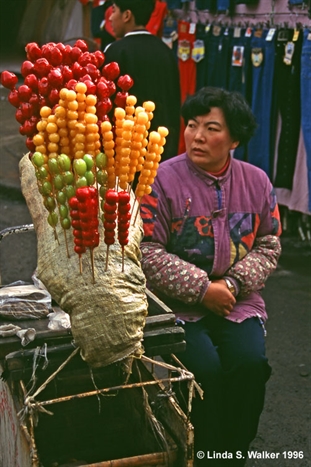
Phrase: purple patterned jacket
(198,227)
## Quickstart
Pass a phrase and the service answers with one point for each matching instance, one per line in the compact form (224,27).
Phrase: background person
(150,63)
(212,227)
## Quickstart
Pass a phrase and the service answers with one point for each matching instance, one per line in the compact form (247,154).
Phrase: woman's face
(208,140)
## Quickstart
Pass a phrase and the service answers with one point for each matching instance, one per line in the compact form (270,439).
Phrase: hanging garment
(306,100)
(240,72)
(155,24)
(287,91)
(202,34)
(296,199)
(219,56)
(187,68)
(262,56)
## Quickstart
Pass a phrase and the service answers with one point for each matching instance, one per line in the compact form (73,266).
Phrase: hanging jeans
(228,360)
(263,56)
(287,91)
(218,57)
(202,33)
(306,100)
(240,77)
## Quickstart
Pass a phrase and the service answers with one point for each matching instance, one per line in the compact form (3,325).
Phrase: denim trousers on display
(228,360)
(260,151)
(218,57)
(203,34)
(287,91)
(240,75)
(305,84)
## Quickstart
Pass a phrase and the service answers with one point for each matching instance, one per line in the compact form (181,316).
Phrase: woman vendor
(211,240)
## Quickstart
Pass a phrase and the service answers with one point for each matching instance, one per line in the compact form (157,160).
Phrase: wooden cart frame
(149,378)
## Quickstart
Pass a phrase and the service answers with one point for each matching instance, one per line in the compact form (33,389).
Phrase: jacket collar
(202,174)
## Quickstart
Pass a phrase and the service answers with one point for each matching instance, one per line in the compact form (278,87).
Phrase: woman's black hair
(238,115)
(141,9)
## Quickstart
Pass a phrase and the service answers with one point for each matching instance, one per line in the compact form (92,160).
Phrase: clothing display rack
(262,50)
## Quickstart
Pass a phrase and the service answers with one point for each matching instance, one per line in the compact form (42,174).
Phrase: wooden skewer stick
(122,258)
(133,207)
(138,207)
(107,254)
(66,243)
(92,262)
(80,264)
(55,235)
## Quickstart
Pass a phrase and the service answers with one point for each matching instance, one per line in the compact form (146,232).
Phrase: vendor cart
(57,411)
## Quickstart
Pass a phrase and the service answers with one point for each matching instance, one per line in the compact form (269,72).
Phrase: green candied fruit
(63,211)
(70,191)
(52,219)
(102,177)
(102,191)
(49,203)
(82,181)
(88,159)
(46,188)
(58,182)
(90,177)
(64,162)
(53,166)
(61,197)
(101,160)
(79,166)
(42,173)
(38,159)
(65,223)
(68,177)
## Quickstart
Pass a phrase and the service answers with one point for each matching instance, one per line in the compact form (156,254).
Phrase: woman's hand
(218,298)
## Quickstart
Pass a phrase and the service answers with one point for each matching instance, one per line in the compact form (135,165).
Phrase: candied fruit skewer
(109,150)
(125,150)
(119,114)
(139,129)
(109,219)
(45,188)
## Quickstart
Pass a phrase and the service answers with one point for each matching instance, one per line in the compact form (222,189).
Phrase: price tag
(270,34)
(216,30)
(248,32)
(237,32)
(296,35)
(192,28)
(237,55)
(289,52)
(198,51)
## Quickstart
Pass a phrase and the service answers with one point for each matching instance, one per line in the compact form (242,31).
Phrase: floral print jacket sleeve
(188,283)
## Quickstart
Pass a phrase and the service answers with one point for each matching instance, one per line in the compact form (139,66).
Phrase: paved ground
(285,424)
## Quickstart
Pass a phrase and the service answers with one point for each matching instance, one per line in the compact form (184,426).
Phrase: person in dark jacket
(150,63)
